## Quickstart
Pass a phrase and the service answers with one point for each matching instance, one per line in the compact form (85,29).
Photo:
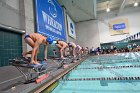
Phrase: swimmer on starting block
(73,46)
(78,50)
(34,40)
(62,46)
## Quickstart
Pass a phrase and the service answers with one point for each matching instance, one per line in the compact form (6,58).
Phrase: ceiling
(83,10)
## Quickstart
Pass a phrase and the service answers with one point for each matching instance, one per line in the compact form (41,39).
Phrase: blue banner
(50,19)
(119,26)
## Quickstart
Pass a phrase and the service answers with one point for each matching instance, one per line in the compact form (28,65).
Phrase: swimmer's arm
(59,46)
(45,51)
(36,45)
(63,47)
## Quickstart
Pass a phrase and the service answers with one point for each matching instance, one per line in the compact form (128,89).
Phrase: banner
(119,26)
(71,27)
(50,19)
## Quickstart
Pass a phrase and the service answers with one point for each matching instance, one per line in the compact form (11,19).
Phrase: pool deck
(12,81)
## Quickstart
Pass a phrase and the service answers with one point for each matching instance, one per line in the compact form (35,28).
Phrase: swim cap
(68,43)
(49,40)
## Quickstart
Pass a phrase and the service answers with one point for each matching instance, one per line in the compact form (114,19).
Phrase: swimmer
(73,46)
(35,40)
(62,46)
(78,50)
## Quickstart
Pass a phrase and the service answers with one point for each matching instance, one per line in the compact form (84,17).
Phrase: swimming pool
(117,73)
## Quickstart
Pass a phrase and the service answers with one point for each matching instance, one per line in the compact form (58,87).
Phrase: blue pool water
(88,69)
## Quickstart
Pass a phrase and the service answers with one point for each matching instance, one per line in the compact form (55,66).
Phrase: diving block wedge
(41,78)
(65,66)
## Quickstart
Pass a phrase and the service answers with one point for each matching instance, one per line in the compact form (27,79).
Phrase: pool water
(83,79)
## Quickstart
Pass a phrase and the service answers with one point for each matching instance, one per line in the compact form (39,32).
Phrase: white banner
(71,27)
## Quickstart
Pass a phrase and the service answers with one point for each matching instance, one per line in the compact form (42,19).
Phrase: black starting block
(73,59)
(65,60)
(39,70)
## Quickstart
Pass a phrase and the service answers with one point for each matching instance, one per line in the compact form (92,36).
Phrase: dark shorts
(26,36)
(76,47)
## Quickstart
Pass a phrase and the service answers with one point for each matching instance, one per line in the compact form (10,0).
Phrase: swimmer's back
(63,43)
(73,44)
(36,36)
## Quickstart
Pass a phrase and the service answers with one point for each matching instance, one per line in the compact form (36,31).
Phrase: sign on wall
(118,27)
(50,19)
(71,27)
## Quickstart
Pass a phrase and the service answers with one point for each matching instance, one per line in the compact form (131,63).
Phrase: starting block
(65,66)
(63,62)
(39,79)
(40,70)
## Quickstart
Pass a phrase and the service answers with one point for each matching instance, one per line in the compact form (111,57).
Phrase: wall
(10,46)
(11,15)
(29,21)
(133,15)
(87,34)
(70,39)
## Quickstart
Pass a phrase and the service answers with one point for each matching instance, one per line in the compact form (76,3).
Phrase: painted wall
(133,15)
(71,39)
(29,21)
(87,34)
(11,13)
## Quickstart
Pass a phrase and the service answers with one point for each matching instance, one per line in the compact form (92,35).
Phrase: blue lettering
(50,21)
(119,26)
